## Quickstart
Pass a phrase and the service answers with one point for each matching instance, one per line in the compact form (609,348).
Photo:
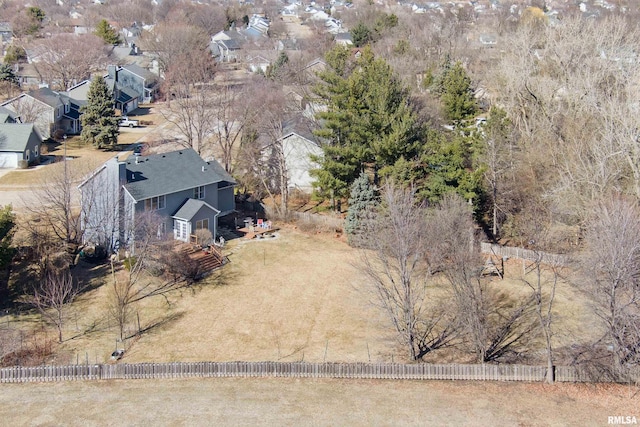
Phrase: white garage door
(8,160)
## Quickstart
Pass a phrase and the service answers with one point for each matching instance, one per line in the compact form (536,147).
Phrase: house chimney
(202,168)
(137,160)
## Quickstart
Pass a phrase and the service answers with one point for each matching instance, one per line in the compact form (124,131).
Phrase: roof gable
(191,207)
(47,96)
(14,137)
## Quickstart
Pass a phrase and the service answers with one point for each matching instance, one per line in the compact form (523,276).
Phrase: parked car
(125,121)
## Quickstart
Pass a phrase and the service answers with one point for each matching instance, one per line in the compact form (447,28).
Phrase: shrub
(129,263)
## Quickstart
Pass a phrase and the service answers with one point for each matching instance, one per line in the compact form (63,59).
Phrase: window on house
(180,229)
(202,224)
(66,108)
(154,203)
(198,192)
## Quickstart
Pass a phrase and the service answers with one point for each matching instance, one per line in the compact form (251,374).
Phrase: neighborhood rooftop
(14,136)
(151,176)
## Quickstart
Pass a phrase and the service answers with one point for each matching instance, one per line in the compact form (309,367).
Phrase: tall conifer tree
(99,123)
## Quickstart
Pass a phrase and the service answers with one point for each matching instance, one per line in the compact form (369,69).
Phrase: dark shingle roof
(300,126)
(14,137)
(190,208)
(139,71)
(46,95)
(168,173)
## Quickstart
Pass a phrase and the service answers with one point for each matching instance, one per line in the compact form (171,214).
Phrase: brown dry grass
(288,298)
(270,401)
(294,297)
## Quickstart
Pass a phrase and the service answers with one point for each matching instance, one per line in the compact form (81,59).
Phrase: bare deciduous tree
(190,91)
(57,204)
(399,267)
(150,253)
(567,89)
(274,111)
(67,59)
(33,111)
(52,296)
(611,270)
(498,157)
(174,41)
(543,282)
(493,323)
(232,113)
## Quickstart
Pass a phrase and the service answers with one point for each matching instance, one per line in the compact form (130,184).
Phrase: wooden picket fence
(328,221)
(524,254)
(392,371)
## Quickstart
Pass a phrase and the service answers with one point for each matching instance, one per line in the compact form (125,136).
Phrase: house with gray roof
(48,110)
(183,193)
(131,85)
(298,144)
(226,50)
(19,145)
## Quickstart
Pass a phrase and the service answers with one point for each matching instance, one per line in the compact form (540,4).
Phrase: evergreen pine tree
(99,123)
(368,123)
(362,206)
(457,94)
(7,74)
(361,35)
(107,33)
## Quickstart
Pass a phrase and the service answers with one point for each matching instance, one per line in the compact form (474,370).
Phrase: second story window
(154,203)
(198,192)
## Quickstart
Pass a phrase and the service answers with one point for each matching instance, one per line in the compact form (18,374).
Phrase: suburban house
(344,39)
(181,190)
(19,145)
(298,144)
(226,46)
(48,110)
(226,50)
(259,63)
(131,81)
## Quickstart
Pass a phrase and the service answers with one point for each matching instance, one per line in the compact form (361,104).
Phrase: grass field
(294,402)
(294,297)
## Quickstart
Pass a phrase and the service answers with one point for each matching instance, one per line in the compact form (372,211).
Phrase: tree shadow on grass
(158,324)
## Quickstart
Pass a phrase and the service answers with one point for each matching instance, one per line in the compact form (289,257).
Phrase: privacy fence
(309,218)
(392,371)
(525,254)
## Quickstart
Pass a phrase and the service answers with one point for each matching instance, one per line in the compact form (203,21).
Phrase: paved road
(17,198)
(158,137)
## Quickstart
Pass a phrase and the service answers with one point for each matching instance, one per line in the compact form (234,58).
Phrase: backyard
(297,296)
